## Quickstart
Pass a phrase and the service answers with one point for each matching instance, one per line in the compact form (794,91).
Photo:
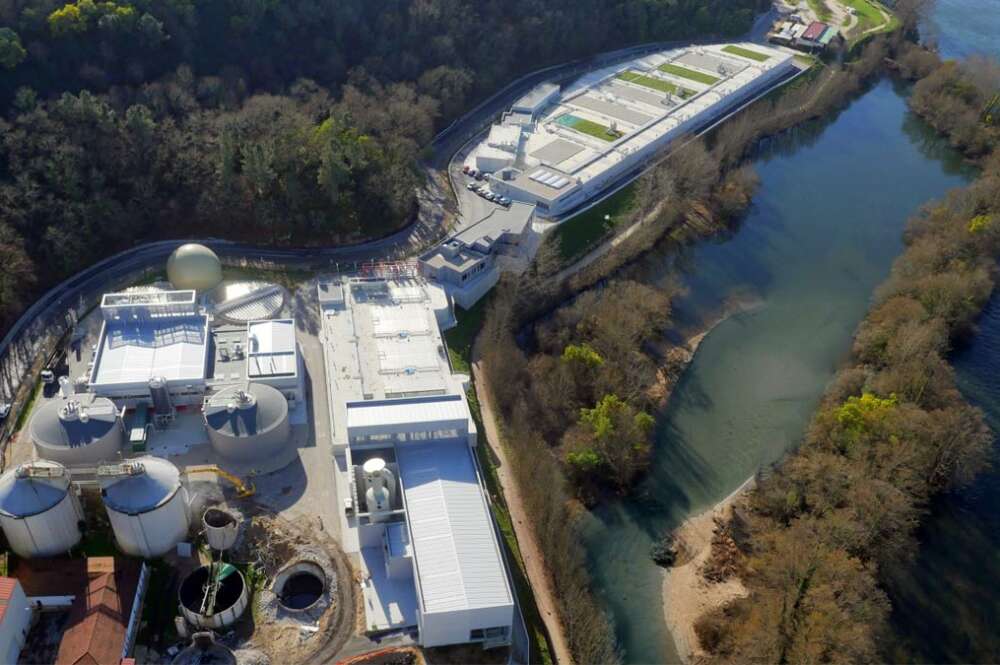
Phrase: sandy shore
(686,594)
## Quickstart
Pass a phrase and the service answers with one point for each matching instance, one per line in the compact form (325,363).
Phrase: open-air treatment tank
(80,429)
(147,505)
(39,512)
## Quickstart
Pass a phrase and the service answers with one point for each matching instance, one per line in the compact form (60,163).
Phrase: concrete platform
(389,604)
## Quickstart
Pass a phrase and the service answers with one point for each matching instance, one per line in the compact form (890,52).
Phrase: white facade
(15,619)
(273,356)
(603,129)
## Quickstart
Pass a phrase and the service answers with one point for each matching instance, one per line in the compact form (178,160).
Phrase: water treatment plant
(291,465)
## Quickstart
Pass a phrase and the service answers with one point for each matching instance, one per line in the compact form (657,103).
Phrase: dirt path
(531,554)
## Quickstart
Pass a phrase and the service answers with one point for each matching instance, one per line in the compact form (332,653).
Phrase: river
(824,229)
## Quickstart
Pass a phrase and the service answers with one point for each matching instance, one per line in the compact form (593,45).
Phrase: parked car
(4,410)
(505,202)
(479,175)
(472,187)
(474,173)
(48,376)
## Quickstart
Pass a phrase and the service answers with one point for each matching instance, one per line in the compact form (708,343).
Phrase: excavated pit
(300,586)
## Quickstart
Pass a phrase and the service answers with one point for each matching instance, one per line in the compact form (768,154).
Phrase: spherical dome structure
(39,513)
(147,505)
(77,429)
(248,423)
(194,266)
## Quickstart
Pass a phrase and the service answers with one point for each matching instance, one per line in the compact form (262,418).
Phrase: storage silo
(80,429)
(39,512)
(194,266)
(146,503)
(248,423)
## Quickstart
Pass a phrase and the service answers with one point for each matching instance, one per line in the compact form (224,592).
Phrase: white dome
(194,266)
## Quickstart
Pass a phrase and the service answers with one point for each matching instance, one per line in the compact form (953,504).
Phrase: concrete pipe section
(299,586)
(221,528)
(214,596)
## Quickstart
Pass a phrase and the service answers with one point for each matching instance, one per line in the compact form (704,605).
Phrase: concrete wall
(15,625)
(442,628)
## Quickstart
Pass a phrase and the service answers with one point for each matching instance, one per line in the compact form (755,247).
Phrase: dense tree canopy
(295,122)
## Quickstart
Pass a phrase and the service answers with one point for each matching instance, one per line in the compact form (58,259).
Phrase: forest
(892,429)
(297,123)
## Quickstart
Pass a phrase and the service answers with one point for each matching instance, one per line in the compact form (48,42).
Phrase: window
(495,633)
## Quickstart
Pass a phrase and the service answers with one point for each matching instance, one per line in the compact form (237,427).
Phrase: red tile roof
(99,617)
(7,586)
(814,31)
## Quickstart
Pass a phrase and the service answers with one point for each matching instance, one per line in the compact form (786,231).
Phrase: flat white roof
(134,351)
(456,554)
(271,348)
(444,410)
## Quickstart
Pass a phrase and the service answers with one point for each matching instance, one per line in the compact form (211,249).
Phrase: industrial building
(560,149)
(415,509)
(468,264)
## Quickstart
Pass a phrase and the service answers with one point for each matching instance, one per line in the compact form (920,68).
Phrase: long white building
(560,149)
(415,509)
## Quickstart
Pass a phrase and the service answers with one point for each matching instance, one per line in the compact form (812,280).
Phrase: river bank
(687,595)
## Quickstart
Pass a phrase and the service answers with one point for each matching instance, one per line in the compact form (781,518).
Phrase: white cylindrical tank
(248,423)
(81,429)
(39,512)
(380,488)
(221,528)
(147,505)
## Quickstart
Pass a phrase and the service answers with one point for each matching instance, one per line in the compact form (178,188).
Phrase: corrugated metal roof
(445,408)
(455,549)
(272,336)
(136,351)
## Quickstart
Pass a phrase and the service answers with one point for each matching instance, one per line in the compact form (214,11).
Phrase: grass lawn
(746,53)
(580,233)
(821,9)
(655,84)
(690,74)
(868,16)
(589,127)
(460,338)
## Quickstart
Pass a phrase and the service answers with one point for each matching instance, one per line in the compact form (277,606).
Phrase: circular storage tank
(39,513)
(221,528)
(77,430)
(248,423)
(194,266)
(230,596)
(147,505)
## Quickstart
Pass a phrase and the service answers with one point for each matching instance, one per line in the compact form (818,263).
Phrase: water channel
(823,231)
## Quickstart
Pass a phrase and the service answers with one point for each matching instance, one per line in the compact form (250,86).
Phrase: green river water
(823,231)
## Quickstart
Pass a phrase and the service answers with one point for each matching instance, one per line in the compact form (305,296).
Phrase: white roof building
(601,130)
(427,542)
(147,335)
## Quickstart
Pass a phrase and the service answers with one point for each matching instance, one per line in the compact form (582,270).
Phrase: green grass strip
(746,53)
(655,84)
(595,129)
(581,233)
(690,74)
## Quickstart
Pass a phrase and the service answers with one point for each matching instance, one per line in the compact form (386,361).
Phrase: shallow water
(824,229)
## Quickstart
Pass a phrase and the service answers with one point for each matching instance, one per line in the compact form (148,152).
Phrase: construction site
(156,504)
